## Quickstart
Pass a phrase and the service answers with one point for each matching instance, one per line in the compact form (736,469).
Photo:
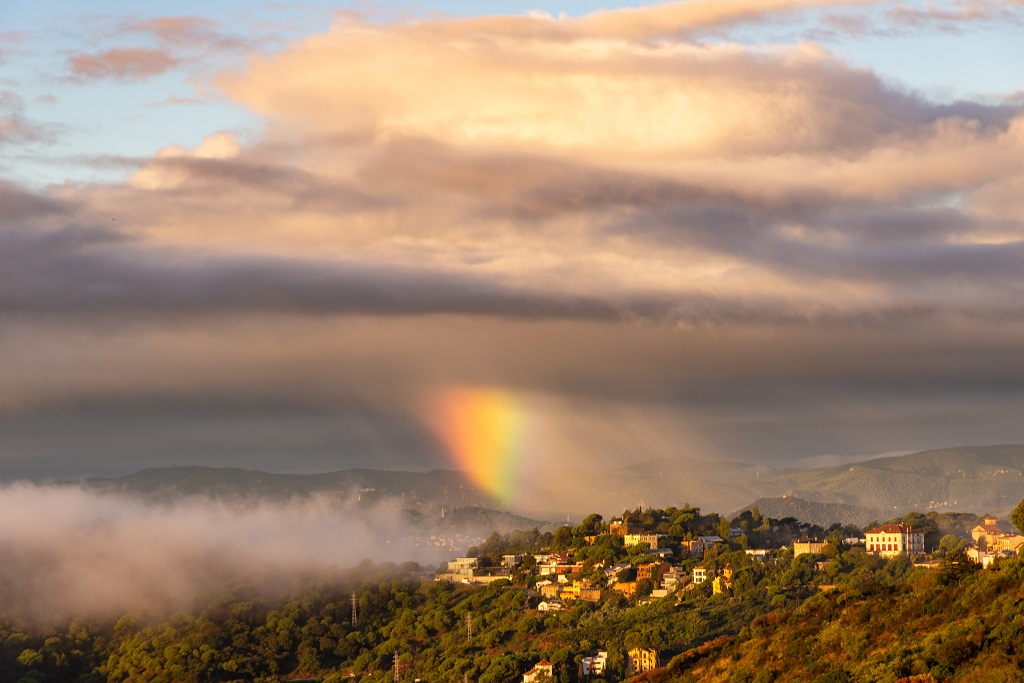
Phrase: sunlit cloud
(126,64)
(637,206)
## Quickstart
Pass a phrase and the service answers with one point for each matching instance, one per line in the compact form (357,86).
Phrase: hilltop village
(648,555)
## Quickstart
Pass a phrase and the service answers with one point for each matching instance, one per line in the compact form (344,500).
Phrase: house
(621,527)
(758,554)
(891,540)
(627,588)
(709,541)
(541,670)
(652,571)
(549,589)
(672,577)
(700,574)
(488,575)
(807,548)
(650,539)
(989,528)
(557,565)
(466,570)
(694,547)
(463,565)
(641,659)
(660,553)
(594,665)
(512,561)
(551,606)
(581,590)
(724,582)
(982,557)
(988,536)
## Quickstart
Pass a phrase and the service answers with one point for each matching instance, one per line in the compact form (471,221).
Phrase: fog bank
(68,552)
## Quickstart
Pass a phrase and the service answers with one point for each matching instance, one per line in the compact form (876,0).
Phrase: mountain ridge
(967,478)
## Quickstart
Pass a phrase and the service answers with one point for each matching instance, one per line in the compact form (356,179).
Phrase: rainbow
(482,430)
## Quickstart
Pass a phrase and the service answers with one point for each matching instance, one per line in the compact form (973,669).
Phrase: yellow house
(641,659)
(807,548)
(627,588)
(581,590)
(988,536)
(651,540)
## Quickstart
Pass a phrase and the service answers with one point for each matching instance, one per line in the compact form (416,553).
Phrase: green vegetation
(843,616)
(812,512)
(957,623)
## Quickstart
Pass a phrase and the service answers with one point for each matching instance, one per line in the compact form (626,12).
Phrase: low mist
(67,552)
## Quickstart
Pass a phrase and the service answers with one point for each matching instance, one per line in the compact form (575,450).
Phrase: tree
(1017,516)
(562,539)
(952,545)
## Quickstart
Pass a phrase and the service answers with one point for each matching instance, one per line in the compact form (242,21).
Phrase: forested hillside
(958,623)
(843,615)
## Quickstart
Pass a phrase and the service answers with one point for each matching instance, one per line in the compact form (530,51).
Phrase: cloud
(181,31)
(583,87)
(956,17)
(15,127)
(763,243)
(125,64)
(81,553)
(18,204)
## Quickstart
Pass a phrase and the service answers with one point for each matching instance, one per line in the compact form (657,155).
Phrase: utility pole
(396,666)
(355,619)
(469,626)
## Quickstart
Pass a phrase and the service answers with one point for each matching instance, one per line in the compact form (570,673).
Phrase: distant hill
(491,520)
(437,487)
(971,478)
(975,479)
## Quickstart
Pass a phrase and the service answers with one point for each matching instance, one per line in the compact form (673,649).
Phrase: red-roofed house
(541,669)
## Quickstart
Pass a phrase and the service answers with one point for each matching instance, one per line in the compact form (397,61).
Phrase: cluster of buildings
(638,660)
(721,582)
(991,542)
(560,581)
(558,584)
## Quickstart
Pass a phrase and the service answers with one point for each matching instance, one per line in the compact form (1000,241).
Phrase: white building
(551,606)
(594,666)
(543,669)
(891,540)
(462,565)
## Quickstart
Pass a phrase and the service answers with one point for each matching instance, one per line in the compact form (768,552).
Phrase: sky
(278,236)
